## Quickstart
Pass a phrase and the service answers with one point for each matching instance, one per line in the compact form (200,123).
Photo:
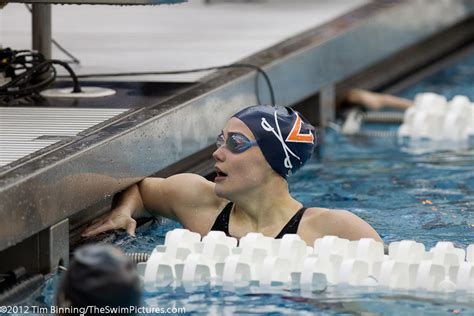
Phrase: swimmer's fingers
(96,223)
(111,222)
(99,227)
(131,226)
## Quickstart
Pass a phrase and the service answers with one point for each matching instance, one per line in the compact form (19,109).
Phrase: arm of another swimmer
(170,197)
(347,225)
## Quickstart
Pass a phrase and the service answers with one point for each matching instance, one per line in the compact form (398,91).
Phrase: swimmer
(99,275)
(258,149)
(375,101)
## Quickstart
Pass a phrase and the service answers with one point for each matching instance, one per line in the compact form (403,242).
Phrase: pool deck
(171,37)
(306,50)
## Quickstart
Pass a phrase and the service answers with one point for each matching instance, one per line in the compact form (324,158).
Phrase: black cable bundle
(28,73)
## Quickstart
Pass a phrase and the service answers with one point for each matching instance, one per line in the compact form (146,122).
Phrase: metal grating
(25,130)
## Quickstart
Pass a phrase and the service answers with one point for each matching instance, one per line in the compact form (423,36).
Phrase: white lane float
(433,117)
(219,260)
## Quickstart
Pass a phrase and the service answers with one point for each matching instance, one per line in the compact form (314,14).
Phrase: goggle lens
(236,143)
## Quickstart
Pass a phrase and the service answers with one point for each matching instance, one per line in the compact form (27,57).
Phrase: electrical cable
(178,72)
(38,73)
(76,85)
(29,73)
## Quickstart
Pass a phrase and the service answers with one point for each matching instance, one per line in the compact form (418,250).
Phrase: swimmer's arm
(179,197)
(158,196)
(346,225)
(376,101)
(187,198)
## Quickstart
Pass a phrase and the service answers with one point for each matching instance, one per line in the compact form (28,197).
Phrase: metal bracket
(40,253)
(54,247)
(327,105)
(327,108)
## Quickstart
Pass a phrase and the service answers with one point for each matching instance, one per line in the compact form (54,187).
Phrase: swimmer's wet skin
(258,149)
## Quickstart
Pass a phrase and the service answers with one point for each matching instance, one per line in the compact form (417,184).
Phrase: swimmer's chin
(220,193)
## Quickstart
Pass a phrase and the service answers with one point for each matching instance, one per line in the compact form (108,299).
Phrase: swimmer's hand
(119,218)
(129,202)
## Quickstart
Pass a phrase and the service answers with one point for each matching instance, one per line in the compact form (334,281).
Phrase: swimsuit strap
(292,226)
(222,220)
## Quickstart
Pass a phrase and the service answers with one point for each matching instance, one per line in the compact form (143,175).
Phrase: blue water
(404,191)
(451,81)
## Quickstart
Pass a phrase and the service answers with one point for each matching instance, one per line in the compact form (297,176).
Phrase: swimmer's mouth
(220,173)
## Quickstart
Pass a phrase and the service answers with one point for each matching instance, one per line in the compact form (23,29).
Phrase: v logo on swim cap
(295,134)
(285,138)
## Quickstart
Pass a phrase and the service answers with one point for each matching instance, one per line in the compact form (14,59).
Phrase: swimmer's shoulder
(311,226)
(194,201)
(321,216)
(322,213)
(191,190)
(320,222)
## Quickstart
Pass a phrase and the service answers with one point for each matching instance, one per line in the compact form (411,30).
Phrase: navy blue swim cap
(100,275)
(284,136)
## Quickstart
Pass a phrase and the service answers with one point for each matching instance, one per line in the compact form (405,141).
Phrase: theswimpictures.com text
(91,310)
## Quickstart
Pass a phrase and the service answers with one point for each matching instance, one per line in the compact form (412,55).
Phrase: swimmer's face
(239,173)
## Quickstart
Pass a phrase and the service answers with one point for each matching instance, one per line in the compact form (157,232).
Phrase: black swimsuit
(222,222)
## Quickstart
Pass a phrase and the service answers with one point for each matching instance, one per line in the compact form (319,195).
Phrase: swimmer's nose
(219,154)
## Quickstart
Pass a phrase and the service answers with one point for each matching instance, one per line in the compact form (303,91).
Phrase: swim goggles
(236,143)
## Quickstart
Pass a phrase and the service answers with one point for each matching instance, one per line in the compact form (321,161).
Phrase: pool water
(402,190)
(426,197)
(453,80)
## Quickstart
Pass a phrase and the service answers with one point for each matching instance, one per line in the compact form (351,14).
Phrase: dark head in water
(99,275)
